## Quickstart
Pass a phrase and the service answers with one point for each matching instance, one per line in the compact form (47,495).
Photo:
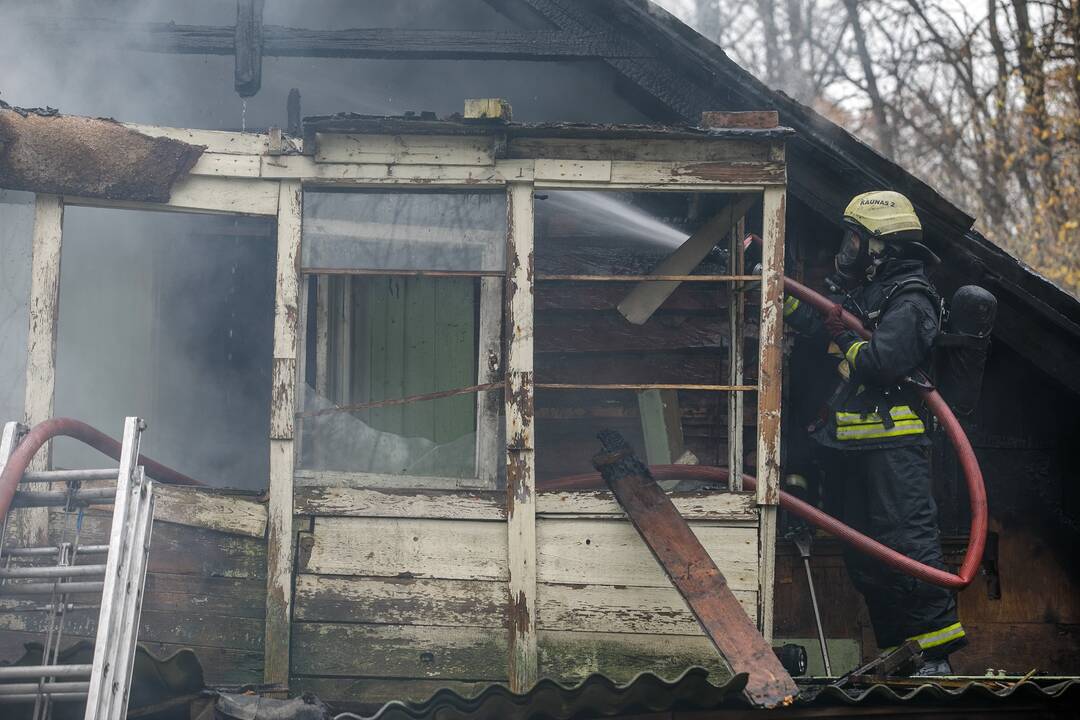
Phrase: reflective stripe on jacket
(871,426)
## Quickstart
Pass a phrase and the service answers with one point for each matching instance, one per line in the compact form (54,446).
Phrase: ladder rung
(18,672)
(51,550)
(50,476)
(55,697)
(47,588)
(56,571)
(48,688)
(57,499)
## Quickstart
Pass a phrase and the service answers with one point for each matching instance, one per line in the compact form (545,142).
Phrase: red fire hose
(66,427)
(43,432)
(968,462)
(867,545)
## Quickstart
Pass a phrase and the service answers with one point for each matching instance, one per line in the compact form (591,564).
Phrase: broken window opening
(169,316)
(661,376)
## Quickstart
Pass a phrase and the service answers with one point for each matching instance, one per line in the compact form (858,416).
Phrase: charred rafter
(396,43)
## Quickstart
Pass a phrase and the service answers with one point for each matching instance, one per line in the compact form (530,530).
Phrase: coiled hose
(41,433)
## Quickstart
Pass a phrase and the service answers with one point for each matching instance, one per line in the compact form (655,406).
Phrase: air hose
(41,433)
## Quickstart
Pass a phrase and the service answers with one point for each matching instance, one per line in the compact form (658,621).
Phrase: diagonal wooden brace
(693,573)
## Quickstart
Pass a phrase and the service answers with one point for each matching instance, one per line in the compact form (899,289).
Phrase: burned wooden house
(379,324)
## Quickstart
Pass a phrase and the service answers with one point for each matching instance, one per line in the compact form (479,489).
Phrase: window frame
(489,454)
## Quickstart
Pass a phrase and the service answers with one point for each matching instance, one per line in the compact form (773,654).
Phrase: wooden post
(279,545)
(31,525)
(489,370)
(737,340)
(520,460)
(770,380)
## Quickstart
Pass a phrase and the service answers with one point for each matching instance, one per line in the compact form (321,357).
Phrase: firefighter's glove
(838,331)
(834,322)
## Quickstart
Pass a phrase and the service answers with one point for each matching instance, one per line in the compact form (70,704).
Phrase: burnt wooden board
(694,574)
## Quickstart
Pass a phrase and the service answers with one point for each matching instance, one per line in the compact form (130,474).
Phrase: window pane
(390,339)
(404,231)
(16,234)
(170,317)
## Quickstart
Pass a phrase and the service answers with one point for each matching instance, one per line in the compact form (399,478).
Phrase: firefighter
(871,433)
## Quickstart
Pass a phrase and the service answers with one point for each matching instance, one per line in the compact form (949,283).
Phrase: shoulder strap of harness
(911,284)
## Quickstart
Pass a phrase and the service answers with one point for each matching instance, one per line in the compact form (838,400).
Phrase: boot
(934,668)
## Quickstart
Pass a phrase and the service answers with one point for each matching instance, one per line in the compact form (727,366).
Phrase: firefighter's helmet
(884,214)
(880,225)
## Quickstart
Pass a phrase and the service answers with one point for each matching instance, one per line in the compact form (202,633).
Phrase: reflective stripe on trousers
(936,638)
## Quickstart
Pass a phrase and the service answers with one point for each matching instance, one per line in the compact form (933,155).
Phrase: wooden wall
(205,586)
(402,592)
(399,593)
(605,605)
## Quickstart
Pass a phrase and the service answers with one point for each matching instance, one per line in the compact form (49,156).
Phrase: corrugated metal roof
(598,696)
(931,692)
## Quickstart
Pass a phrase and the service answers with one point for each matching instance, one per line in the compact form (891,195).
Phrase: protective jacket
(872,407)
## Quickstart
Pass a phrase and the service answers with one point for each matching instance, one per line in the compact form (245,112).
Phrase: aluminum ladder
(112,575)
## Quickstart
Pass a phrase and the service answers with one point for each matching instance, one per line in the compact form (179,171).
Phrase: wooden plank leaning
(694,574)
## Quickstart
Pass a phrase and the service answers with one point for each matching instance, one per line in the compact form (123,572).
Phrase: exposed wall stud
(770,381)
(520,448)
(279,551)
(31,525)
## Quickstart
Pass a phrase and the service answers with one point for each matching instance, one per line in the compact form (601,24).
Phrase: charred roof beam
(360,43)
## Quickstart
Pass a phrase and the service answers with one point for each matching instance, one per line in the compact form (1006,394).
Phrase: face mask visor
(850,253)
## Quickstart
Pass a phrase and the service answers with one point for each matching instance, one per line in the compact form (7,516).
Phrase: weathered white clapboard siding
(401,601)
(735,508)
(400,651)
(622,609)
(215,141)
(206,193)
(699,173)
(301,167)
(610,552)
(407,547)
(575,170)
(389,503)
(573,656)
(404,149)
(203,508)
(228,165)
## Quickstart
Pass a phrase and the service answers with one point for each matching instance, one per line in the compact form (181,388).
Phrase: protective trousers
(886,494)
